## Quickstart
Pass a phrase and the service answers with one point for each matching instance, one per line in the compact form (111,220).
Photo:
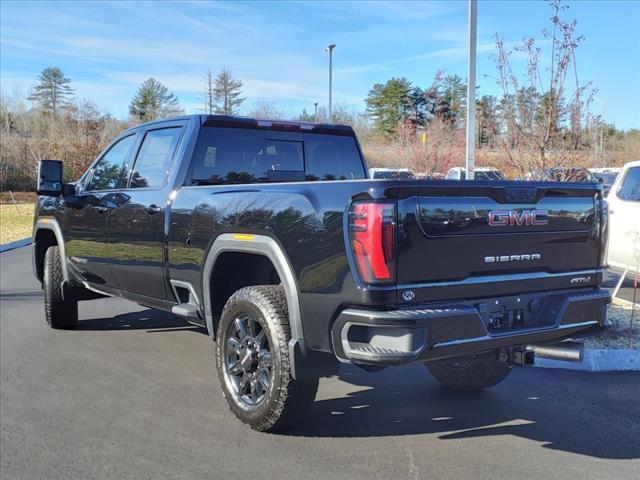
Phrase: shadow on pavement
(594,414)
(149,319)
(530,404)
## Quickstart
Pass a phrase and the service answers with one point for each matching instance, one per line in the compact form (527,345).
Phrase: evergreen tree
(551,112)
(506,112)
(227,91)
(419,112)
(527,100)
(486,109)
(153,101)
(452,98)
(389,104)
(53,90)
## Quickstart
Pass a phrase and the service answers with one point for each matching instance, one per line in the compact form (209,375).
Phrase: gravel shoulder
(619,335)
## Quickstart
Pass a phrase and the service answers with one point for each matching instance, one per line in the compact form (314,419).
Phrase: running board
(188,303)
(186,310)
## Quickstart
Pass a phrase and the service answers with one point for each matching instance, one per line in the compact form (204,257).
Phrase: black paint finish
(134,240)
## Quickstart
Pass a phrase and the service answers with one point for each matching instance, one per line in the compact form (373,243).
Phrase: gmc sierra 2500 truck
(271,235)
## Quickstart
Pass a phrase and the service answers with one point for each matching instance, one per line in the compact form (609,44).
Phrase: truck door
(136,228)
(87,213)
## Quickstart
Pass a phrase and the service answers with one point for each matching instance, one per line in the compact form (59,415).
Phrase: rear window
(237,155)
(331,157)
(630,188)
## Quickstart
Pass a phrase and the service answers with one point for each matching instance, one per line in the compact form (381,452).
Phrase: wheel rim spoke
(235,368)
(241,328)
(251,327)
(232,344)
(265,359)
(260,337)
(244,381)
(254,391)
(264,378)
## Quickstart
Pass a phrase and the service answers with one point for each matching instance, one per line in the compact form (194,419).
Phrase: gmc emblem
(513,218)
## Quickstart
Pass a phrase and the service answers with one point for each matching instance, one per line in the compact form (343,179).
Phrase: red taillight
(372,232)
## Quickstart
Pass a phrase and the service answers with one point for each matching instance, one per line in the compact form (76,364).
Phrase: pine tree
(551,112)
(453,94)
(53,90)
(390,104)
(153,101)
(227,91)
(486,115)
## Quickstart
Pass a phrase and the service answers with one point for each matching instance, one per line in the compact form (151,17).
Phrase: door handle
(153,209)
(101,209)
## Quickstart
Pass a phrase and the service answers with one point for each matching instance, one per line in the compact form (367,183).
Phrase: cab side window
(108,174)
(154,158)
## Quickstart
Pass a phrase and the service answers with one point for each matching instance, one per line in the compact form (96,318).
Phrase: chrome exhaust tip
(568,351)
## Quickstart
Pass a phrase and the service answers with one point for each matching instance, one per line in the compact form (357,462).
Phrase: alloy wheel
(248,362)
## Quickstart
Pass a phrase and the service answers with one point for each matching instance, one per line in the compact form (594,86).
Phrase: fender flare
(261,245)
(52,225)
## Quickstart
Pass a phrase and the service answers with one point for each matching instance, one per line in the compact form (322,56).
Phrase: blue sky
(277,48)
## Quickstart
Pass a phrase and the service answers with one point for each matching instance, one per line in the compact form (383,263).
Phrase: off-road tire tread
(294,396)
(482,374)
(59,312)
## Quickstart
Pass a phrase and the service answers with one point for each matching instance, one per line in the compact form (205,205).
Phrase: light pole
(600,124)
(315,112)
(471,90)
(329,49)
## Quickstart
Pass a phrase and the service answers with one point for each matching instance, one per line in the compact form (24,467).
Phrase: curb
(5,247)
(623,302)
(599,360)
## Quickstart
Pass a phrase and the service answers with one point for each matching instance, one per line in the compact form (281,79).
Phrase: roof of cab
(248,122)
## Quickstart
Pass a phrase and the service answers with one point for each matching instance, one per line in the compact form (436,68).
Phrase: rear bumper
(435,332)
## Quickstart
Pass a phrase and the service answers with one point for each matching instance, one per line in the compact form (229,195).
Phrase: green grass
(16,221)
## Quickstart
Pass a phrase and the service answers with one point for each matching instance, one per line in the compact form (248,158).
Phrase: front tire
(252,360)
(60,312)
(469,375)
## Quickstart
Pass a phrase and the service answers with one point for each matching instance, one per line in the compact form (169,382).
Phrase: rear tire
(252,360)
(60,312)
(469,375)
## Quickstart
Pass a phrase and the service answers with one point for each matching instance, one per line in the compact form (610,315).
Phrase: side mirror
(50,178)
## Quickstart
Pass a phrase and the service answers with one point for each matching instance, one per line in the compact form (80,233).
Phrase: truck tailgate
(495,238)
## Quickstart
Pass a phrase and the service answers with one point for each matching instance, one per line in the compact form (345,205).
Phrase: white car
(624,219)
(479,173)
(396,173)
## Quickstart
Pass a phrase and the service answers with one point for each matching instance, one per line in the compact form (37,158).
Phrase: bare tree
(209,93)
(533,109)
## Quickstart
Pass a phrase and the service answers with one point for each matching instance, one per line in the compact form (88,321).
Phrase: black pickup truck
(271,235)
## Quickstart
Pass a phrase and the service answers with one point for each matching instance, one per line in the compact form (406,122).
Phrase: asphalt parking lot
(132,393)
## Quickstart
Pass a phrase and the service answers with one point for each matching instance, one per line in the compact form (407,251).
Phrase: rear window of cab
(241,155)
